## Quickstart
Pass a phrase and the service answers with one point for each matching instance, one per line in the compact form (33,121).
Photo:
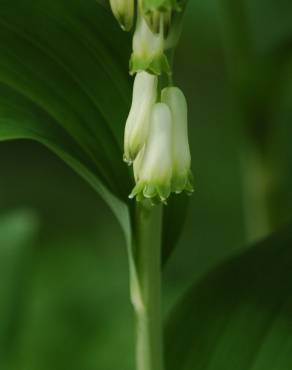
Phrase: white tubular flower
(137,125)
(123,10)
(182,176)
(148,48)
(153,169)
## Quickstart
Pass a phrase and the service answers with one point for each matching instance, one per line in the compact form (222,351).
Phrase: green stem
(147,292)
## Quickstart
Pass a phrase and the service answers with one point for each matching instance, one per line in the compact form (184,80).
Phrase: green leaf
(239,316)
(64,83)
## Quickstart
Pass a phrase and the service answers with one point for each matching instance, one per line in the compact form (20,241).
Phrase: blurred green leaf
(78,313)
(17,232)
(269,23)
(64,83)
(239,316)
(173,223)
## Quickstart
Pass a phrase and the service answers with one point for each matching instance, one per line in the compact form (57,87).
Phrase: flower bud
(153,166)
(181,177)
(148,48)
(124,12)
(137,125)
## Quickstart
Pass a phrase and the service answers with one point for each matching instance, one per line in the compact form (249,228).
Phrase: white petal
(157,163)
(146,44)
(137,125)
(176,101)
(153,169)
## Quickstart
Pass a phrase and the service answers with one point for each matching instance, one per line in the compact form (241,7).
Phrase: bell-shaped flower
(182,176)
(137,125)
(123,10)
(148,48)
(153,166)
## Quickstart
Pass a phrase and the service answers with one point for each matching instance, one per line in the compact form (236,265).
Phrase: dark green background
(65,290)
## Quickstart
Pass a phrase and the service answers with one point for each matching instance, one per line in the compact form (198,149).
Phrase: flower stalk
(147,246)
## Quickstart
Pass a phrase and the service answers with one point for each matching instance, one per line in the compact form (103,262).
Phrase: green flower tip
(155,193)
(183,183)
(155,64)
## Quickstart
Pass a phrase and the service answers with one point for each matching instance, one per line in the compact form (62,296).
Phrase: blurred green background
(63,267)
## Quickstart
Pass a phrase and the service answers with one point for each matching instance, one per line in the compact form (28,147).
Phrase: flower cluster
(156,132)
